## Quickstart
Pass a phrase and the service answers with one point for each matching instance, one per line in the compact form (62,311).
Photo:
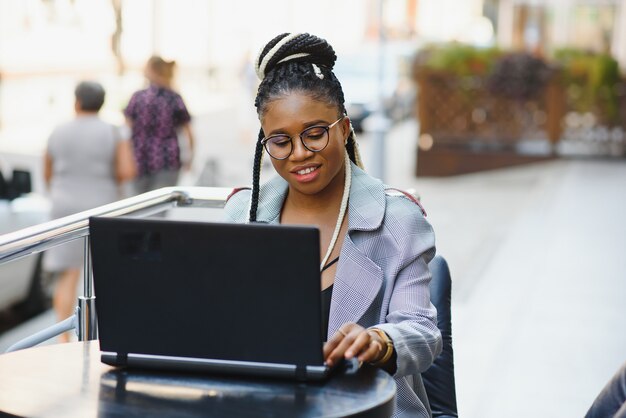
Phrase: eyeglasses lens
(314,139)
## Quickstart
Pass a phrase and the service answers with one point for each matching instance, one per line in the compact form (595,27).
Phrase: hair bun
(294,47)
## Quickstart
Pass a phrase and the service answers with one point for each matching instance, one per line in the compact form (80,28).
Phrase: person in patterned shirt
(154,115)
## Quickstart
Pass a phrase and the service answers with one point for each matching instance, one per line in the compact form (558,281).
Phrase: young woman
(374,272)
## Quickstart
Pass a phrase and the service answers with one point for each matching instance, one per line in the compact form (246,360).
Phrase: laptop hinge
(301,374)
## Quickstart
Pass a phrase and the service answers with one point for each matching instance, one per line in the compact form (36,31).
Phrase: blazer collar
(366,205)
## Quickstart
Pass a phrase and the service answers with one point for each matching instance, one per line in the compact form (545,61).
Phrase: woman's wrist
(387,344)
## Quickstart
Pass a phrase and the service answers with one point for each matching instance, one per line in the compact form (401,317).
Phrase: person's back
(154,115)
(85,161)
(83,174)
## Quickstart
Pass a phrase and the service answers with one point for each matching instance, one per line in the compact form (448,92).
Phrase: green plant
(457,59)
(590,81)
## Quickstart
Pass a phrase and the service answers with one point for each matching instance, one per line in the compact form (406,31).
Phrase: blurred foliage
(457,59)
(591,81)
(518,76)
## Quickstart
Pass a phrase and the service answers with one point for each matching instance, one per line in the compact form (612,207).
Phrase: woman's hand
(352,340)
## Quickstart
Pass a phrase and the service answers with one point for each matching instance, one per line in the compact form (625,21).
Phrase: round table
(68,380)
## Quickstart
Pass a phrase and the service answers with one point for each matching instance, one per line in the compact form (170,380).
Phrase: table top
(68,380)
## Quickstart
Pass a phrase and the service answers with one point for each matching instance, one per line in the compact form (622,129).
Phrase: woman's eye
(280,141)
(315,133)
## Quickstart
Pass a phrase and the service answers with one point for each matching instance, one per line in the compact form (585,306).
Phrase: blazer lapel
(358,280)
(357,283)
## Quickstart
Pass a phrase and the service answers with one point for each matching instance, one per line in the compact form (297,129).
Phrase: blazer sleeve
(411,321)
(236,208)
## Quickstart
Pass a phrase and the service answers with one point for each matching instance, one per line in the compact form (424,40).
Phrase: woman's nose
(300,152)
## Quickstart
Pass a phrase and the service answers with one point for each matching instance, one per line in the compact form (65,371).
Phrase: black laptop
(214,297)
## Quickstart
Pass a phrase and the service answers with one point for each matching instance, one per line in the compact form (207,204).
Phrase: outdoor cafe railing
(41,237)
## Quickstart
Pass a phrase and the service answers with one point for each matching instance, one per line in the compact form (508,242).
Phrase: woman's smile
(306,174)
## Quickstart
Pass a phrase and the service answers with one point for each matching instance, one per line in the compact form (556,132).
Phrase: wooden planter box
(469,129)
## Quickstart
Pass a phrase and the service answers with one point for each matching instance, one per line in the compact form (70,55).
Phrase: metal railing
(41,237)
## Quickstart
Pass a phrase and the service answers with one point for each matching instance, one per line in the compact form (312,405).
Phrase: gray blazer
(382,277)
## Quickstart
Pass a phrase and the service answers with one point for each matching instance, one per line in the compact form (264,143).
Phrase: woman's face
(307,172)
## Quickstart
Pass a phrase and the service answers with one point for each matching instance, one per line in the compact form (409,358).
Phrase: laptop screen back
(208,290)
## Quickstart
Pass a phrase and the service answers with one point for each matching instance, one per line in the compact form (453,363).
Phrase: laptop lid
(199,290)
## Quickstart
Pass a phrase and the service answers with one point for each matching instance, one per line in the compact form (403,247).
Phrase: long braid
(353,150)
(256,176)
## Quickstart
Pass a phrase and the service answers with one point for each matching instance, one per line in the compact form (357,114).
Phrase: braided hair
(296,62)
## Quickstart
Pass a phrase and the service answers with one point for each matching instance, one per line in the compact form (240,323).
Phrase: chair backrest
(439,378)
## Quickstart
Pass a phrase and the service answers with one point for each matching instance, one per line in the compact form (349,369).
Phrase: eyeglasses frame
(326,128)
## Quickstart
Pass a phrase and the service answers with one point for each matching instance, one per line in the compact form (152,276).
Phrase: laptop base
(229,367)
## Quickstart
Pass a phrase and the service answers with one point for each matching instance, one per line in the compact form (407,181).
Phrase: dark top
(326,297)
(327,294)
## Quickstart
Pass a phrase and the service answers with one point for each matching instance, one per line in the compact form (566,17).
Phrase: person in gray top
(85,162)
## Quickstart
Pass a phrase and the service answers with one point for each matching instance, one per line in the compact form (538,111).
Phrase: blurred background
(507,118)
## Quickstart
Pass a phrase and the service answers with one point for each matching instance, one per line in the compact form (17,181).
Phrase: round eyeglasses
(314,138)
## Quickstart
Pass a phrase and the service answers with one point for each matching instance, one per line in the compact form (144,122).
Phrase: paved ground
(539,273)
(539,306)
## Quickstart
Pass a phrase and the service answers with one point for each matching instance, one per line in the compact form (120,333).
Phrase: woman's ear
(346,128)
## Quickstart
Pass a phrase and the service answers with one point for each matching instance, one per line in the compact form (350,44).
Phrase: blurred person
(377,245)
(154,115)
(86,161)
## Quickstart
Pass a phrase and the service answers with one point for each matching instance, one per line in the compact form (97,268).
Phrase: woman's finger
(338,352)
(333,342)
(372,353)
(360,343)
(340,341)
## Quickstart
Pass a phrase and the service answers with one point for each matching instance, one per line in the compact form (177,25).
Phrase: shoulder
(175,94)
(236,207)
(132,102)
(62,131)
(138,95)
(402,198)
(178,101)
(405,219)
(101,124)
(171,94)
(109,130)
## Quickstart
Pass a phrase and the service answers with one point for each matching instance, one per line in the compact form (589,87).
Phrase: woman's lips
(306,174)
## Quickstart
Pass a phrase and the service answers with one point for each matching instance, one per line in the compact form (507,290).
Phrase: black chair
(611,401)
(439,378)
